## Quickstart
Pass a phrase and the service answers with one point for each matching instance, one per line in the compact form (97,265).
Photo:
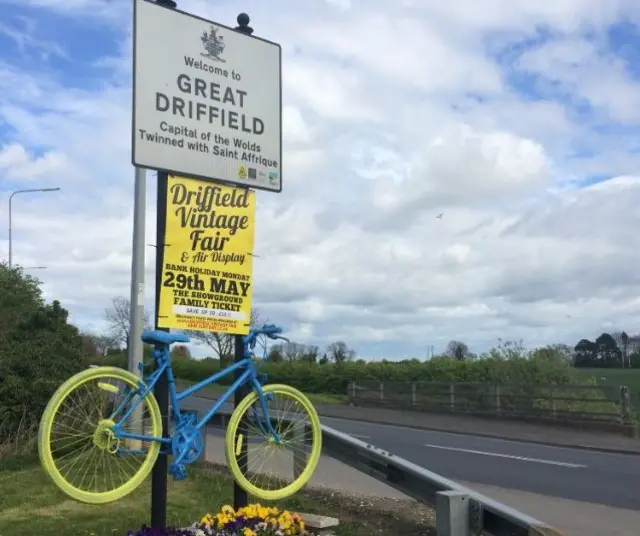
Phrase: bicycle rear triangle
(119,428)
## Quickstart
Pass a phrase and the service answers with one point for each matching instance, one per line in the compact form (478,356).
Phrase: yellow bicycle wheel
(296,454)
(77,446)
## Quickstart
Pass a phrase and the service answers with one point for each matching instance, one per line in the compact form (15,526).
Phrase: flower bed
(253,520)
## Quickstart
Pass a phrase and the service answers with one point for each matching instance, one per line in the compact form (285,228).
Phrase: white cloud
(392,114)
(26,40)
(466,166)
(294,127)
(584,69)
(405,50)
(19,165)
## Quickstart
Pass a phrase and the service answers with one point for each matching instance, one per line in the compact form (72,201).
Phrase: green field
(614,378)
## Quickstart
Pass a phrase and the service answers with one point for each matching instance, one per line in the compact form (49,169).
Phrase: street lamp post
(10,199)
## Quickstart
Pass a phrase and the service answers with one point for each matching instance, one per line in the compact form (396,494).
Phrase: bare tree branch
(222,343)
(117,316)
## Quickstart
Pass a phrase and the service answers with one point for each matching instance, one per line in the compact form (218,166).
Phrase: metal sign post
(240,498)
(206,105)
(161,389)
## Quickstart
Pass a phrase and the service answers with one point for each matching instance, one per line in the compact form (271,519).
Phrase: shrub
(39,348)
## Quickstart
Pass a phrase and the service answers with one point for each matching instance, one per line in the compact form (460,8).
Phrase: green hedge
(334,378)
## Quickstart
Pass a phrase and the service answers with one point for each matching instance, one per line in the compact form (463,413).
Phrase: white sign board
(206,99)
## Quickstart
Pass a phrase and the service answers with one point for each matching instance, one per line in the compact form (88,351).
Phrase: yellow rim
(46,422)
(312,460)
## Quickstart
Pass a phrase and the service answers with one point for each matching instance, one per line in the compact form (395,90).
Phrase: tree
(89,348)
(97,345)
(180,351)
(20,294)
(609,355)
(293,351)
(603,352)
(585,354)
(222,343)
(457,350)
(339,352)
(118,318)
(311,353)
(275,353)
(40,349)
(557,353)
(622,341)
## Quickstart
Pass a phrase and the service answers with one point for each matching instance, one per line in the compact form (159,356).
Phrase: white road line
(359,436)
(520,458)
(431,432)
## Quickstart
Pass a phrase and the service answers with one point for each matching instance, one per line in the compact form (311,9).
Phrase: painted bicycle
(101,432)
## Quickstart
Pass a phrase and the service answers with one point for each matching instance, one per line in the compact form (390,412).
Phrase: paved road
(608,479)
(576,474)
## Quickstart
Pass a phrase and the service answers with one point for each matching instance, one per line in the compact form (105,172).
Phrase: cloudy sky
(519,121)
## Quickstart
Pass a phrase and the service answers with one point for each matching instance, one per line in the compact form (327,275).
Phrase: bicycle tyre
(47,420)
(312,460)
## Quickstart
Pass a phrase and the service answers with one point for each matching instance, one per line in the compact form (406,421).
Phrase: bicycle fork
(265,412)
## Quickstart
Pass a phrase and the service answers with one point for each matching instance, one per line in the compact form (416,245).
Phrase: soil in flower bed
(31,504)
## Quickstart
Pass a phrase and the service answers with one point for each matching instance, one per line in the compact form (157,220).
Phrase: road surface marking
(523,441)
(360,436)
(521,458)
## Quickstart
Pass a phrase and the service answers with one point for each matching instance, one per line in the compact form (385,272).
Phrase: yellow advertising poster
(208,263)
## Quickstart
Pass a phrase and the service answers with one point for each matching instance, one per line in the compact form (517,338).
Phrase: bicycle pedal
(178,471)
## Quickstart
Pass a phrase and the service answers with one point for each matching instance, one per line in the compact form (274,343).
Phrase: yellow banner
(208,266)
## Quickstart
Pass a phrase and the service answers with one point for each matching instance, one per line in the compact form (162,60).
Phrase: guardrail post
(627,412)
(203,455)
(625,404)
(352,391)
(497,399)
(452,397)
(381,391)
(414,398)
(452,513)
(552,394)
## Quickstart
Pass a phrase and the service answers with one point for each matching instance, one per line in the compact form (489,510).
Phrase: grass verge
(31,504)
(215,390)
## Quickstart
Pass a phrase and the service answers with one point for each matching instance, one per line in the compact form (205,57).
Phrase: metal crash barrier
(460,511)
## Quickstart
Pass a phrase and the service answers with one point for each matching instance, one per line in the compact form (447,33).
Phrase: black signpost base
(239,495)
(161,389)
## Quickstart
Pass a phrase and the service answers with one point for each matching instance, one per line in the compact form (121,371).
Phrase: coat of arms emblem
(213,44)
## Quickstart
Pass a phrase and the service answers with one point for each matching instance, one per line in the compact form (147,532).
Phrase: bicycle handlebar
(270,330)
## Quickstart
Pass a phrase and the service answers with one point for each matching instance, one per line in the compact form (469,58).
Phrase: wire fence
(605,404)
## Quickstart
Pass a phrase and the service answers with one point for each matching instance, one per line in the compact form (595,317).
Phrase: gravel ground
(380,515)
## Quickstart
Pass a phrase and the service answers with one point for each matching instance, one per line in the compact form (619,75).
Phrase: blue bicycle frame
(161,356)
